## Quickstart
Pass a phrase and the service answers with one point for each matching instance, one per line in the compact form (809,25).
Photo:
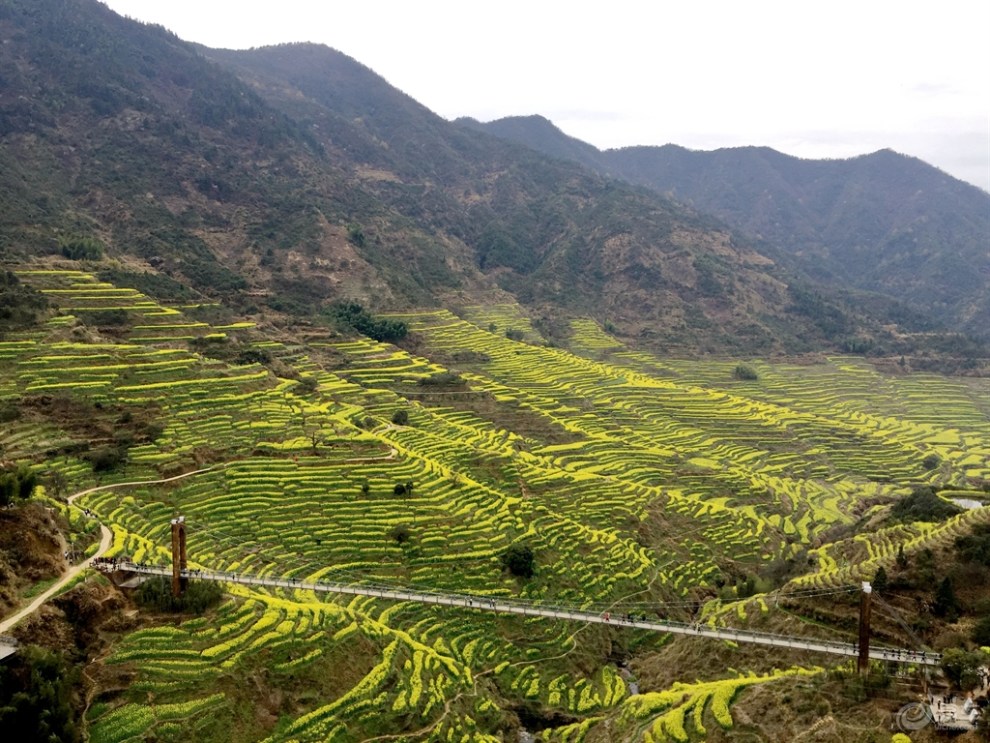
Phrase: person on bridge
(605,616)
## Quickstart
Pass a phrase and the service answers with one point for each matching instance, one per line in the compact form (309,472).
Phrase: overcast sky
(809,78)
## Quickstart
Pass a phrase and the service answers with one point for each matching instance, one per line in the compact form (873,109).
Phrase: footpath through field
(106,539)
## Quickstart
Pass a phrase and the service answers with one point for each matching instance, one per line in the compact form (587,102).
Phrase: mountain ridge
(286,178)
(877,222)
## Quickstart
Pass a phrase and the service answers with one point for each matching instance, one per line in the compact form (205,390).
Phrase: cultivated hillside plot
(641,485)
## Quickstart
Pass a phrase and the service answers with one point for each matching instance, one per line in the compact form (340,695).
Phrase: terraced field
(639,483)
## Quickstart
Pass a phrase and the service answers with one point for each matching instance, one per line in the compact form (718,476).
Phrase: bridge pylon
(178,556)
(863,662)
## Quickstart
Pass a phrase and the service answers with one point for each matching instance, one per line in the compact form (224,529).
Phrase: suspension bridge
(533,609)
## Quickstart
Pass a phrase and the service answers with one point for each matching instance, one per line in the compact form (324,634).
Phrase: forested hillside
(882,223)
(284,179)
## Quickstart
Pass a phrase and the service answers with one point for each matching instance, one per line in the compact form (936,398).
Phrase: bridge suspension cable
(525,608)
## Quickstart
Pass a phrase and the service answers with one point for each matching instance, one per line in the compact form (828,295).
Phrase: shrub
(401,533)
(400,417)
(879,581)
(308,385)
(745,372)
(115,317)
(78,248)
(441,379)
(156,594)
(355,235)
(107,458)
(975,547)
(17,484)
(36,688)
(520,561)
(253,356)
(981,632)
(20,305)
(923,505)
(356,317)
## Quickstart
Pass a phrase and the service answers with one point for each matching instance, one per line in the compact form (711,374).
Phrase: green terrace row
(651,408)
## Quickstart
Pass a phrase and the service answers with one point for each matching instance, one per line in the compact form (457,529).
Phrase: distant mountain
(286,178)
(542,135)
(883,222)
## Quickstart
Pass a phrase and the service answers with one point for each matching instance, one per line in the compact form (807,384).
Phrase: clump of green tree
(115,317)
(356,317)
(880,580)
(156,594)
(944,602)
(253,356)
(20,305)
(441,379)
(355,235)
(981,632)
(17,484)
(975,546)
(745,373)
(107,458)
(519,560)
(36,697)
(81,248)
(923,505)
(401,533)
(155,285)
(962,667)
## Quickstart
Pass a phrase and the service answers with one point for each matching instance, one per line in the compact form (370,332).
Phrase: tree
(981,632)
(879,581)
(399,490)
(745,373)
(308,385)
(155,594)
(975,547)
(961,667)
(401,417)
(17,484)
(901,559)
(36,697)
(923,505)
(945,603)
(520,561)
(80,248)
(366,488)
(401,533)
(355,235)
(356,317)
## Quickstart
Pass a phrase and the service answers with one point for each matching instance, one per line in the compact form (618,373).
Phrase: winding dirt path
(106,539)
